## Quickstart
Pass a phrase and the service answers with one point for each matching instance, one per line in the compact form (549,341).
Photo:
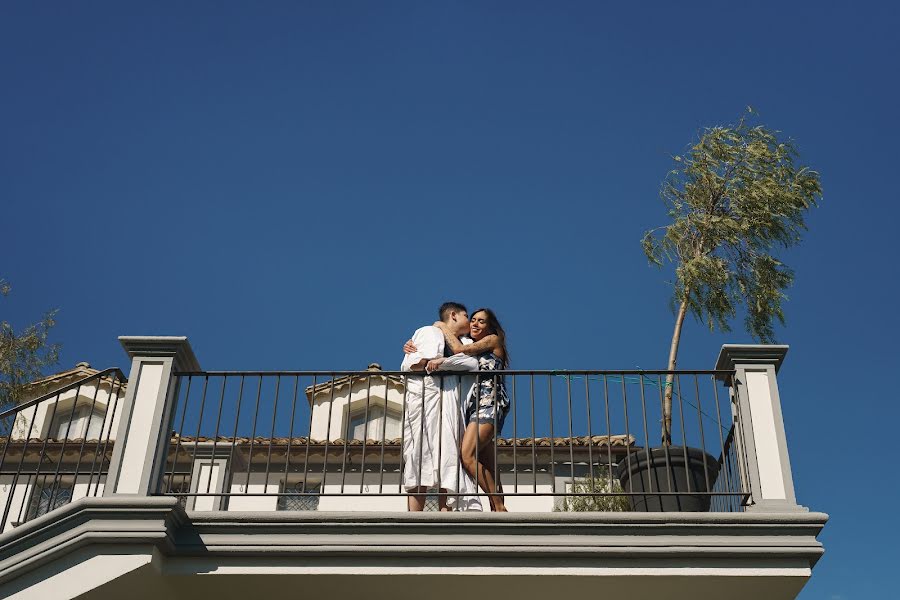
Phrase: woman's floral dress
(487,401)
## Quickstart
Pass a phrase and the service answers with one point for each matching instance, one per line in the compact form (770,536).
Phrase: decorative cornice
(356,539)
(177,347)
(159,522)
(753,354)
(474,536)
(117,520)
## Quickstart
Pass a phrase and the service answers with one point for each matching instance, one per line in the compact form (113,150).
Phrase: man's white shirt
(429,342)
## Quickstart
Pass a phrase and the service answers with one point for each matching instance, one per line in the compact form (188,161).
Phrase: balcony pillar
(761,436)
(142,439)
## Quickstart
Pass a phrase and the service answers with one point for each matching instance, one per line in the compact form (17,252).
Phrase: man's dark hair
(448,307)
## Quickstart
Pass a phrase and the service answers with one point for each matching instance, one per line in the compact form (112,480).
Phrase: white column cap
(178,347)
(755,354)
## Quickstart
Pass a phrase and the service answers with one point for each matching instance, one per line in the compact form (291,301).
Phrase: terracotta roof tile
(340,382)
(80,371)
(597,441)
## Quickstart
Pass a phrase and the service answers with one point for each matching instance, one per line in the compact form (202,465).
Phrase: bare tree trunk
(670,378)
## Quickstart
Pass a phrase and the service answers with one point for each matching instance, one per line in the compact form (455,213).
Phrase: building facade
(177,482)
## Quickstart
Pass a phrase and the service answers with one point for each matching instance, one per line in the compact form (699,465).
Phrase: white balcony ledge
(149,547)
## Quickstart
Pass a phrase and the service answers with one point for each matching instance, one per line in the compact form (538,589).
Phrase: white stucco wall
(343,404)
(257,485)
(84,485)
(20,494)
(372,487)
(34,422)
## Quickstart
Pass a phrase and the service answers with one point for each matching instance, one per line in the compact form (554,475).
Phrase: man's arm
(459,362)
(429,344)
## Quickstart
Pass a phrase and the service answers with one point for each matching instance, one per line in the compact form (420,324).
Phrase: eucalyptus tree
(735,198)
(24,354)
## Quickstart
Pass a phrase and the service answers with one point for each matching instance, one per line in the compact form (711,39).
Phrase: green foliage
(735,198)
(599,485)
(23,355)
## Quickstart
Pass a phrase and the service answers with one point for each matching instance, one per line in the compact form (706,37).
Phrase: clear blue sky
(298,186)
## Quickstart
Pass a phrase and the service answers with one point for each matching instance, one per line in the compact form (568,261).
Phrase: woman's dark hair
(494,327)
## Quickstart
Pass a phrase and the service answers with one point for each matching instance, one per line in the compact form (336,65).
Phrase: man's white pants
(432,431)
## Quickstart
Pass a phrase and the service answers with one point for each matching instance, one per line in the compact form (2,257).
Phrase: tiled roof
(597,441)
(38,442)
(63,378)
(80,370)
(578,442)
(584,441)
(85,451)
(340,382)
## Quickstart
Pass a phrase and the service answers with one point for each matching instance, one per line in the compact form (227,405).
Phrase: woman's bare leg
(415,502)
(480,435)
(467,451)
(486,458)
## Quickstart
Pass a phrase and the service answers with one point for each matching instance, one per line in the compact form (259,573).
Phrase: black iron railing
(57,447)
(301,437)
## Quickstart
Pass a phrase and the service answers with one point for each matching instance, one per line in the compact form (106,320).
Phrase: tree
(599,484)
(23,355)
(735,198)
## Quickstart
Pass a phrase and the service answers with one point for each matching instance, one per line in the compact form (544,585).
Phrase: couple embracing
(451,419)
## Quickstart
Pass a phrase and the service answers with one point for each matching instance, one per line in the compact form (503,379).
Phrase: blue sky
(298,186)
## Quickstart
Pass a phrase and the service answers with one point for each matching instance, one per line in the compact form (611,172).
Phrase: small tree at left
(24,354)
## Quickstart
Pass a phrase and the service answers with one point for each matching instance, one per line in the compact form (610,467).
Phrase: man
(432,426)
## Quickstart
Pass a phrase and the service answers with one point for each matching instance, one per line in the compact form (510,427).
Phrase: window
(295,497)
(80,423)
(47,496)
(376,424)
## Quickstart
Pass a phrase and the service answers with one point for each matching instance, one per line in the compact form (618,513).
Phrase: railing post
(142,439)
(761,426)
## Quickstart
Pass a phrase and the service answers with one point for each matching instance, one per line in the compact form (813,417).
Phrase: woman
(487,404)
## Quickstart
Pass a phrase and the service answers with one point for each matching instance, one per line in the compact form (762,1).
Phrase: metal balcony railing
(57,447)
(572,440)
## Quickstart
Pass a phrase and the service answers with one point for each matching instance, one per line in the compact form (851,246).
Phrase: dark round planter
(665,470)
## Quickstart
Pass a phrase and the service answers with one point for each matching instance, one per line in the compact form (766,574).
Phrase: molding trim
(581,539)
(178,347)
(120,521)
(348,539)
(732,355)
